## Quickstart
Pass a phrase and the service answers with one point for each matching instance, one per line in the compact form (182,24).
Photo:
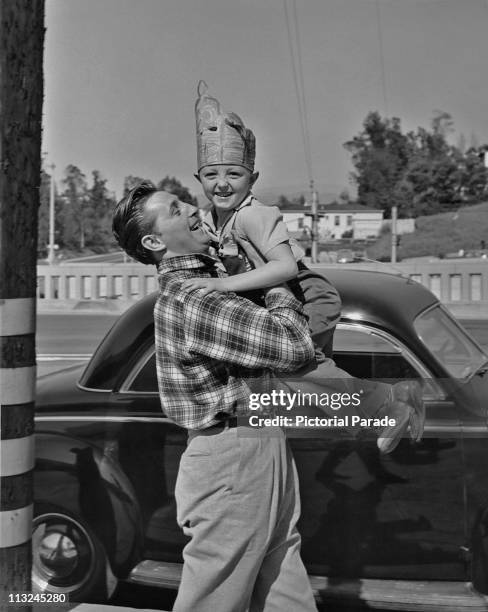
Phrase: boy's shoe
(406,406)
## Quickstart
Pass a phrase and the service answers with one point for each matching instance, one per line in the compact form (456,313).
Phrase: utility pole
(21,94)
(51,216)
(314,228)
(394,211)
(314,231)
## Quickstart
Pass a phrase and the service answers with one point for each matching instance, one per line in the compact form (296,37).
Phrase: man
(237,491)
(226,151)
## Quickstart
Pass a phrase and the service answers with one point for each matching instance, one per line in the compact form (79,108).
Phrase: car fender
(87,481)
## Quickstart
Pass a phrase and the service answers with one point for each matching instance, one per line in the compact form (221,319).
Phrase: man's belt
(224,423)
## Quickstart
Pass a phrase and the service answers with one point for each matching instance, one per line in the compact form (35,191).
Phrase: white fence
(95,281)
(453,282)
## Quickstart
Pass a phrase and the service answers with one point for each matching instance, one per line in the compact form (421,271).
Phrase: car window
(449,343)
(143,378)
(366,354)
(358,349)
(369,353)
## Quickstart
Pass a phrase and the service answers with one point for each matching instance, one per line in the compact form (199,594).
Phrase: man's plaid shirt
(212,349)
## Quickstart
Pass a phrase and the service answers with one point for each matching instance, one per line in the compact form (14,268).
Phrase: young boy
(225,155)
(235,209)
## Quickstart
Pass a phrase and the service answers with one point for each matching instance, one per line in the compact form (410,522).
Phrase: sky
(121,79)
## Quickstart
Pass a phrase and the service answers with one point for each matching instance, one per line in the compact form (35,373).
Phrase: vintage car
(405,529)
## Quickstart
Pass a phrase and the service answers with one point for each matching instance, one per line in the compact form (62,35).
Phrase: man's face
(226,186)
(176,225)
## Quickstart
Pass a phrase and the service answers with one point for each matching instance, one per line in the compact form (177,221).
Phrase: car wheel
(67,557)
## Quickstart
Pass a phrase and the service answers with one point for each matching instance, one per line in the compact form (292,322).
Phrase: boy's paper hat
(222,137)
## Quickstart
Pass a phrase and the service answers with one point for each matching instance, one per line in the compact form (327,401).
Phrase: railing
(456,283)
(95,281)
(452,281)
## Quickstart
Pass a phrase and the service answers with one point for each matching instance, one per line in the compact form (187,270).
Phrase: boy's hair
(129,224)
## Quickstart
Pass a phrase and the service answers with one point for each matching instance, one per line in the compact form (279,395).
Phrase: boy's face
(226,186)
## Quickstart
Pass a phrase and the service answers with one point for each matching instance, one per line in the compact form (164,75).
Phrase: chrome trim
(107,418)
(83,388)
(448,428)
(474,429)
(125,386)
(404,351)
(392,594)
(63,356)
(41,573)
(160,574)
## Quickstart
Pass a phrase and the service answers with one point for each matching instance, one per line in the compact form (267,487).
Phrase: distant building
(403,226)
(335,220)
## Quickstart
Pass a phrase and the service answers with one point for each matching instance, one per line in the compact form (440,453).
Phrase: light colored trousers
(237,498)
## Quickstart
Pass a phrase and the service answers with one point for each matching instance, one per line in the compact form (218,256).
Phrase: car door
(149,450)
(396,516)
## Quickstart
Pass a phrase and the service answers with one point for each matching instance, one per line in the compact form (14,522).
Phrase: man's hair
(129,224)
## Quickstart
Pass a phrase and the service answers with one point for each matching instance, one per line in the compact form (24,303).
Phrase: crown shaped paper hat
(222,137)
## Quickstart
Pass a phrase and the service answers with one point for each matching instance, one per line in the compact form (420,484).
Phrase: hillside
(439,234)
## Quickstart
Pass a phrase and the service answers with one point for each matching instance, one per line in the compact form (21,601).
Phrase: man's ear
(254,178)
(153,243)
(197,176)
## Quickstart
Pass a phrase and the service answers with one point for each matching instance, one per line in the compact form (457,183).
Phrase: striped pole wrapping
(17,383)
(21,94)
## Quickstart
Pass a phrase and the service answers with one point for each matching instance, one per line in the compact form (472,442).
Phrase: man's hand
(207,284)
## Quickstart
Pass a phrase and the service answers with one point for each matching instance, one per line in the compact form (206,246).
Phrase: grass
(438,235)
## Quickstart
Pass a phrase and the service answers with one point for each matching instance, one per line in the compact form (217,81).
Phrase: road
(66,339)
(115,257)
(71,338)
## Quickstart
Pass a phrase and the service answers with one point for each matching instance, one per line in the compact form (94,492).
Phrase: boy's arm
(232,329)
(279,268)
(264,228)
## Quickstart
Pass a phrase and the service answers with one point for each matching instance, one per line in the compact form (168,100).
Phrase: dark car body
(408,529)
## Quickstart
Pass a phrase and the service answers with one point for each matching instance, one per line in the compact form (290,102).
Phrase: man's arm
(232,329)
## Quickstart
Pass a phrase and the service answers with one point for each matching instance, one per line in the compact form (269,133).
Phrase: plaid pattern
(213,351)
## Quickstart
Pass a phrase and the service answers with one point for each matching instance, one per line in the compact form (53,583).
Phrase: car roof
(381,299)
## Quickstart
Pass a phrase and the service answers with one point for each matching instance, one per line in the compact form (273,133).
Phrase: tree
(475,178)
(174,186)
(379,154)
(284,202)
(435,168)
(101,204)
(130,182)
(419,172)
(77,214)
(21,93)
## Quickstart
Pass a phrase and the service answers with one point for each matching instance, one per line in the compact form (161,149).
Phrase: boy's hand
(207,284)
(249,249)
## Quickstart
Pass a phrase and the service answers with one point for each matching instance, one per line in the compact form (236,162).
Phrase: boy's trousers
(237,498)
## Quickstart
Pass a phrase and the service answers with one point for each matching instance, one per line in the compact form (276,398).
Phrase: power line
(297,70)
(302,89)
(382,57)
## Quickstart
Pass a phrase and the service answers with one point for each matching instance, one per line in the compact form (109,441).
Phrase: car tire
(68,557)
